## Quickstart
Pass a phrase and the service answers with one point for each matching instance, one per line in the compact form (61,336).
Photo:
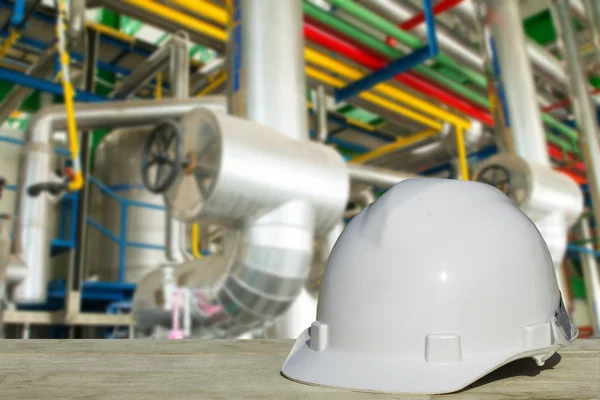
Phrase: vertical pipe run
(77,270)
(585,112)
(591,274)
(268,67)
(179,81)
(592,9)
(322,131)
(504,41)
(267,85)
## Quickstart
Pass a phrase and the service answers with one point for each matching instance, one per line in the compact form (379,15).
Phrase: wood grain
(230,369)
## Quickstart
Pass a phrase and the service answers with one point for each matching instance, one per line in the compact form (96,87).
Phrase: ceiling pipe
(401,12)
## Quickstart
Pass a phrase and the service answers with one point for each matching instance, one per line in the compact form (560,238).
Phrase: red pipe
(371,61)
(565,102)
(410,79)
(441,7)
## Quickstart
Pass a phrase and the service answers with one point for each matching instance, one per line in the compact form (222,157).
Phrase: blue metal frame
(121,239)
(398,66)
(44,85)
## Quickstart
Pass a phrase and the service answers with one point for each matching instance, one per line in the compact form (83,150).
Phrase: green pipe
(424,70)
(413,42)
(389,52)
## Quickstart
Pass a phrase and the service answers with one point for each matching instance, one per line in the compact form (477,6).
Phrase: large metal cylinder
(117,165)
(243,170)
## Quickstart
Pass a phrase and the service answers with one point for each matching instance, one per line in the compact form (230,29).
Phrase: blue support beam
(398,66)
(44,85)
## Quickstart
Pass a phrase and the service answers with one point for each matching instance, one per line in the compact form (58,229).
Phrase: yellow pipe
(108,31)
(213,85)
(205,9)
(349,120)
(360,124)
(76,180)
(180,18)
(196,241)
(9,42)
(310,54)
(333,65)
(158,87)
(462,153)
(398,144)
(380,101)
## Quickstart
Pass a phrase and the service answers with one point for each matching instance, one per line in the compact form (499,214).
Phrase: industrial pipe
(322,131)
(31,235)
(545,63)
(17,95)
(504,42)
(179,80)
(402,12)
(591,274)
(381,178)
(145,71)
(272,92)
(555,202)
(585,111)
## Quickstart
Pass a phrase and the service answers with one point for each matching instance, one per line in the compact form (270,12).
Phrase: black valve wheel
(162,157)
(497,176)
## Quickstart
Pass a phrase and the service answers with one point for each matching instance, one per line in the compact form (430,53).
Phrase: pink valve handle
(176,333)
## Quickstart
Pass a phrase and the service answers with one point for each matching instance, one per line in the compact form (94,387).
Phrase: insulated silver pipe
(379,177)
(504,41)
(584,110)
(267,85)
(591,274)
(592,9)
(544,63)
(144,72)
(76,20)
(17,95)
(321,114)
(179,80)
(31,236)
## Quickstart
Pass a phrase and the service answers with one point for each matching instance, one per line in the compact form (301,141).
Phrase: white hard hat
(431,287)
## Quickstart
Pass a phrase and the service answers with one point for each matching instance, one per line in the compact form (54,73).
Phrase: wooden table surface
(236,369)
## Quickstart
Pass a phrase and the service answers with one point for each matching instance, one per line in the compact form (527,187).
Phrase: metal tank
(117,165)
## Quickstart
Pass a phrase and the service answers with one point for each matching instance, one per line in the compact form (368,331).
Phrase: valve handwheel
(162,157)
(497,176)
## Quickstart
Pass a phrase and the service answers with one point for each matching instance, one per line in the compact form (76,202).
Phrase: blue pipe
(18,13)
(44,85)
(579,249)
(398,66)
(49,20)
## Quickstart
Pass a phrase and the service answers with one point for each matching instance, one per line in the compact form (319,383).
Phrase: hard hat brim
(390,373)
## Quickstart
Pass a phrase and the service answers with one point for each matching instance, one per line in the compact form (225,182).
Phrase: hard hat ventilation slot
(443,348)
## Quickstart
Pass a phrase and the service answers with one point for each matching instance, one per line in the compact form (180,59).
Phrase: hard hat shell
(428,289)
